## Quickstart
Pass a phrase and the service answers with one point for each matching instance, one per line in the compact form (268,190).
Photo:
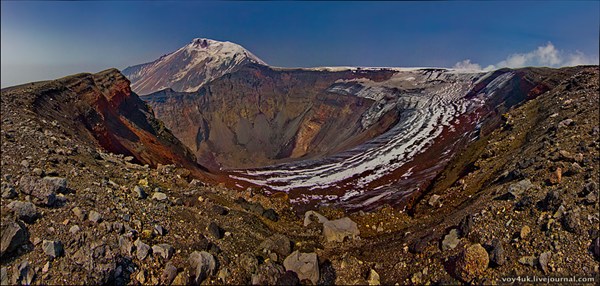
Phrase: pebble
(339,229)
(24,211)
(271,214)
(142,249)
(451,240)
(528,260)
(305,265)
(168,274)
(433,200)
(215,230)
(14,235)
(497,253)
(472,263)
(373,278)
(95,217)
(544,260)
(79,213)
(164,250)
(74,229)
(159,196)
(52,248)
(139,192)
(202,264)
(525,231)
(160,230)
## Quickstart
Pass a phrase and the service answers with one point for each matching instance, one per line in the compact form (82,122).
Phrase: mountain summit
(191,66)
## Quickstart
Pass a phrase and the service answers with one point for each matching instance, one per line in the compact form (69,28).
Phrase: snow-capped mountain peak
(188,68)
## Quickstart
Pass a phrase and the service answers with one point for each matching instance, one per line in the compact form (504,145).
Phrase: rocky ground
(522,200)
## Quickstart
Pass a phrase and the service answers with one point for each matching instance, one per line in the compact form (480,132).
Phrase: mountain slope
(100,110)
(191,66)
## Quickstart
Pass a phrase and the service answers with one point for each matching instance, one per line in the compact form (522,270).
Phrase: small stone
(524,203)
(164,250)
(8,192)
(4,276)
(305,265)
(450,240)
(308,217)
(566,155)
(74,229)
(215,230)
(159,196)
(373,278)
(37,172)
(465,225)
(142,249)
(417,278)
(118,227)
(591,198)
(224,274)
(571,222)
(160,230)
(271,214)
(277,243)
(339,229)
(544,260)
(52,248)
(267,274)
(23,274)
(139,192)
(14,235)
(202,264)
(79,213)
(95,217)
(555,177)
(248,262)
(552,201)
(147,234)
(181,279)
(566,122)
(24,211)
(472,263)
(497,254)
(217,209)
(518,188)
(525,231)
(168,274)
(528,260)
(596,248)
(42,191)
(46,267)
(433,200)
(141,276)
(126,246)
(590,187)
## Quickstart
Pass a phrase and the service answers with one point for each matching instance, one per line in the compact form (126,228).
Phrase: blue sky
(45,40)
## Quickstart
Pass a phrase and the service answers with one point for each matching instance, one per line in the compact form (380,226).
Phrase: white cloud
(546,55)
(466,65)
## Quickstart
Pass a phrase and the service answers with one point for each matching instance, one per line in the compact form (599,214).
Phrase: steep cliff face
(259,116)
(101,109)
(191,66)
